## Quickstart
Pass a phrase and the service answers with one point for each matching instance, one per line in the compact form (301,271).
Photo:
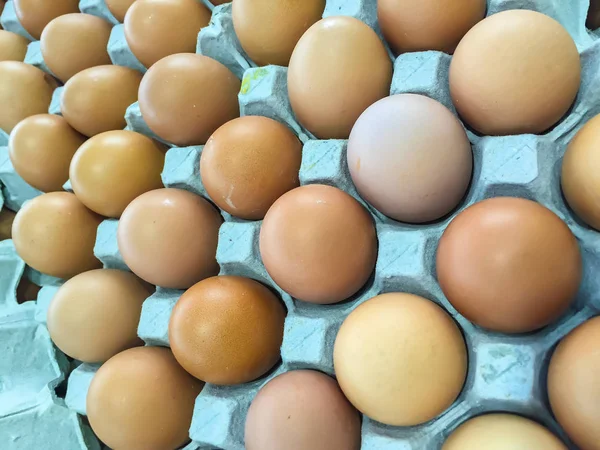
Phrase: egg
(338,69)
(34,15)
(509,265)
(158,28)
(95,100)
(593,17)
(41,148)
(573,377)
(141,399)
(417,25)
(7,218)
(74,42)
(118,8)
(400,359)
(24,91)
(502,432)
(410,157)
(184,98)
(300,410)
(227,330)
(55,234)
(27,291)
(580,177)
(13,47)
(318,244)
(168,237)
(248,163)
(95,314)
(113,168)
(526,84)
(269,30)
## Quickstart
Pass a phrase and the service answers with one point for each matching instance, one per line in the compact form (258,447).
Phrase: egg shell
(269,31)
(410,157)
(573,384)
(24,91)
(158,28)
(318,244)
(119,8)
(500,432)
(95,314)
(248,163)
(593,17)
(337,70)
(7,218)
(41,148)
(526,84)
(13,47)
(302,409)
(509,265)
(417,25)
(55,234)
(34,15)
(168,237)
(95,100)
(113,168)
(227,330)
(141,399)
(74,42)
(184,98)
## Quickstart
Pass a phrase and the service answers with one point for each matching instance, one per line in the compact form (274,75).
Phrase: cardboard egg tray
(506,372)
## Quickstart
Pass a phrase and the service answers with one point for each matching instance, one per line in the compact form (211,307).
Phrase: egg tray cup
(507,373)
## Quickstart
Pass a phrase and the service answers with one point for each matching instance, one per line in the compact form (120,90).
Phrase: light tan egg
(13,47)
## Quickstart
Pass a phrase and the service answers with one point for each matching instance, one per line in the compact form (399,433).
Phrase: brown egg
(227,330)
(27,291)
(220,2)
(418,25)
(400,359)
(581,173)
(24,91)
(248,163)
(168,237)
(593,17)
(41,148)
(119,8)
(113,168)
(95,314)
(573,384)
(95,100)
(55,234)
(318,244)
(338,69)
(13,47)
(269,31)
(184,98)
(158,28)
(502,432)
(531,77)
(410,157)
(141,399)
(34,15)
(509,265)
(74,42)
(7,218)
(300,410)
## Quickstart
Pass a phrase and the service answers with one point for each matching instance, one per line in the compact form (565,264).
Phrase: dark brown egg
(55,234)
(41,148)
(158,28)
(509,264)
(95,100)
(248,163)
(113,168)
(13,47)
(318,244)
(227,330)
(7,218)
(184,98)
(119,8)
(34,15)
(168,237)
(24,91)
(141,399)
(74,42)
(95,314)
(300,410)
(593,18)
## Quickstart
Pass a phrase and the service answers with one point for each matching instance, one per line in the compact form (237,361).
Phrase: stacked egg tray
(506,372)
